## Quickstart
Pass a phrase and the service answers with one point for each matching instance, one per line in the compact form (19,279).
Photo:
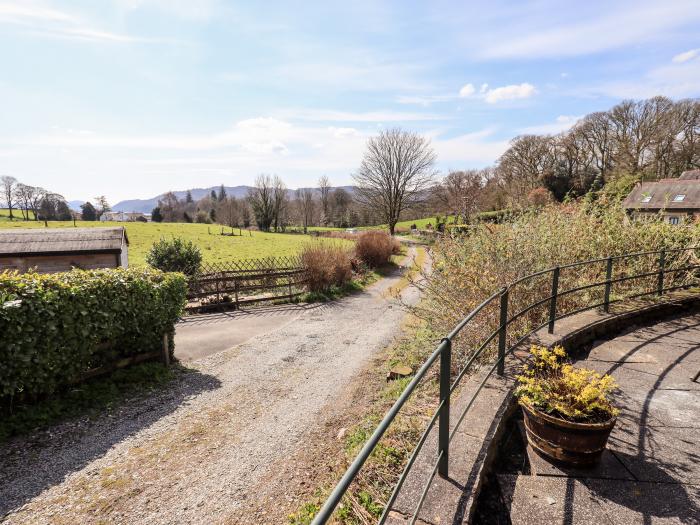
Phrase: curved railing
(680,277)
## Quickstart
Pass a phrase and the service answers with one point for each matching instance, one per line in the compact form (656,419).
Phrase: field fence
(235,283)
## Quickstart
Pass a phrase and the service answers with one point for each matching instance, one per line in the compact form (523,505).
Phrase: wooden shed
(61,249)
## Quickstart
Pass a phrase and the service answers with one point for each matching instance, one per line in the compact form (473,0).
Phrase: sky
(131,98)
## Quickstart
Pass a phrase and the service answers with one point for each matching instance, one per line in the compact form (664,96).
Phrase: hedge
(56,327)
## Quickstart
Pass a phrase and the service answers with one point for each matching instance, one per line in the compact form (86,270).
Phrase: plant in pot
(567,411)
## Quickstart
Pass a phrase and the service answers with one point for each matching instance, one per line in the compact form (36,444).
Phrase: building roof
(690,175)
(665,195)
(40,241)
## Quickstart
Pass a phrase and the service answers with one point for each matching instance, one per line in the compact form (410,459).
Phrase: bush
(551,385)
(55,327)
(469,268)
(326,266)
(175,255)
(374,248)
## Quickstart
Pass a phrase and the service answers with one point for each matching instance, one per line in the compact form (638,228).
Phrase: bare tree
(305,205)
(23,198)
(7,187)
(396,169)
(262,202)
(324,187)
(279,201)
(459,192)
(524,164)
(102,205)
(229,212)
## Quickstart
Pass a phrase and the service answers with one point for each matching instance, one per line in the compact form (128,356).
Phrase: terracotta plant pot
(577,444)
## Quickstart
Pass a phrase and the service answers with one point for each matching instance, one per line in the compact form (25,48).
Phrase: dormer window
(646,198)
(679,198)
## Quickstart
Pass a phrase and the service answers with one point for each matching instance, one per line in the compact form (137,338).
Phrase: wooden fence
(232,284)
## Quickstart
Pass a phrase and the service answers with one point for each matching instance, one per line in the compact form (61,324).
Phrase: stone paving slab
(540,500)
(655,441)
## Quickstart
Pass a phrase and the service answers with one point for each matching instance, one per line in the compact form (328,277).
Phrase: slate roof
(40,241)
(662,193)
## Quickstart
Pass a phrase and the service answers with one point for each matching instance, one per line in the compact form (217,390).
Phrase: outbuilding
(51,250)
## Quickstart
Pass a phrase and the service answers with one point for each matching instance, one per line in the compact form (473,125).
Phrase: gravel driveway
(194,452)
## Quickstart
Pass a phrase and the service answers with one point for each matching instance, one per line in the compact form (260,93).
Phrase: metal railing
(681,277)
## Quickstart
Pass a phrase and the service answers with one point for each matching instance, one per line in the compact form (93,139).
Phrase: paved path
(651,472)
(212,447)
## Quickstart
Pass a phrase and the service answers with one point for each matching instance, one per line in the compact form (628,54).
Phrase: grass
(17,214)
(215,247)
(97,396)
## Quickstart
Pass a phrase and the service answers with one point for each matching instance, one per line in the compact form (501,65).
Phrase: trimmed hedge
(55,327)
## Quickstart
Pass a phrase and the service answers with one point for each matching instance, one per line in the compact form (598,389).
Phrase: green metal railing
(682,277)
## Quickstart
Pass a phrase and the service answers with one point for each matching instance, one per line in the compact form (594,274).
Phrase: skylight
(646,198)
(679,198)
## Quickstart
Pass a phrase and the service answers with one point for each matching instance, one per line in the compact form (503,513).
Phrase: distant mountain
(147,205)
(75,205)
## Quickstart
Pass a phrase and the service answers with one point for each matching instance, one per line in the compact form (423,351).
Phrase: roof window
(679,198)
(646,198)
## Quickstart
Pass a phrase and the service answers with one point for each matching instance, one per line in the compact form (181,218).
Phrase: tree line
(32,202)
(269,206)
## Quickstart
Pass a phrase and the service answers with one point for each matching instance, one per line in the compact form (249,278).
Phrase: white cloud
(475,149)
(499,94)
(684,57)
(187,9)
(329,115)
(561,123)
(467,90)
(45,21)
(624,24)
(672,80)
(512,92)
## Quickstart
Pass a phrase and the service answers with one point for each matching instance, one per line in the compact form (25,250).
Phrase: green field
(17,214)
(214,246)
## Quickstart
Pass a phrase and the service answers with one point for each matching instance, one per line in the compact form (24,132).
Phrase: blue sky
(130,98)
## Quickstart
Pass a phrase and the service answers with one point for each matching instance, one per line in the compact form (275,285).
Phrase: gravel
(191,453)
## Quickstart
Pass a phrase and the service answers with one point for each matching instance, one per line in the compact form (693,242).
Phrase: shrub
(326,265)
(175,255)
(551,385)
(374,248)
(57,326)
(469,268)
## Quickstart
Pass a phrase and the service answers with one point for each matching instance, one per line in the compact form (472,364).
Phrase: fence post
(608,285)
(553,300)
(502,333)
(662,265)
(444,423)
(235,290)
(166,349)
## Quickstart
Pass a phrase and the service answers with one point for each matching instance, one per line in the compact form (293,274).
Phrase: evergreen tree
(222,193)
(213,195)
(89,212)
(188,197)
(156,215)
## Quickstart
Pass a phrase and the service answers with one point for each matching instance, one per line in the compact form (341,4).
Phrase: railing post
(502,333)
(444,423)
(662,265)
(553,300)
(608,285)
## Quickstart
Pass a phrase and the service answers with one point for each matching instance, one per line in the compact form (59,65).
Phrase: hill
(146,205)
